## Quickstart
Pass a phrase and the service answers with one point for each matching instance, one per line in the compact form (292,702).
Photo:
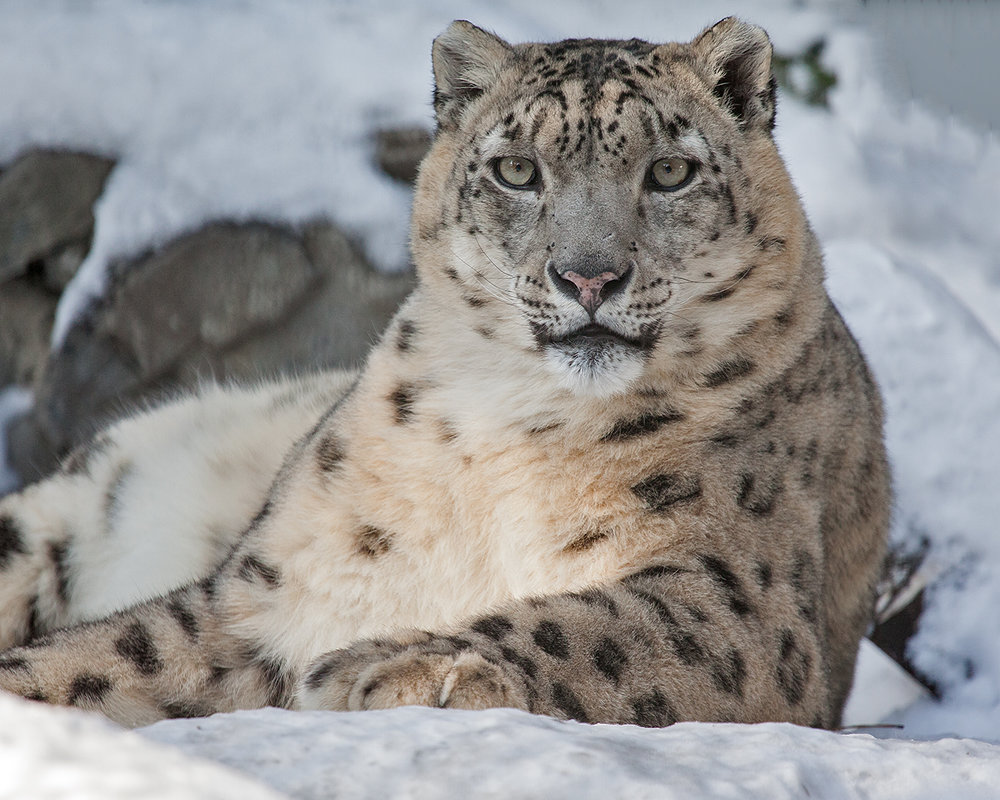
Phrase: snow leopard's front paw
(433,672)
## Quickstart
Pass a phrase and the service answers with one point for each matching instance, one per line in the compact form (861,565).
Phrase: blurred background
(219,189)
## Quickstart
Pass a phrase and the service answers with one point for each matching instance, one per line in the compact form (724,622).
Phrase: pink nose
(589,289)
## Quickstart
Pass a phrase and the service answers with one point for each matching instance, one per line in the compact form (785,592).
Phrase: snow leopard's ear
(735,59)
(467,60)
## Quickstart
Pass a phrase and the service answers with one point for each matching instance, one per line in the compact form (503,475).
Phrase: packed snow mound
(48,752)
(431,754)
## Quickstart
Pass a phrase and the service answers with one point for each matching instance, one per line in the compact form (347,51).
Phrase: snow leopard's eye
(670,174)
(516,172)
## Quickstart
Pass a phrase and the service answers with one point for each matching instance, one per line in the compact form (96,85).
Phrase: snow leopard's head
(616,207)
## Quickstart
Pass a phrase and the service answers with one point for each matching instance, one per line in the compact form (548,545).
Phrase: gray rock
(92,379)
(60,267)
(46,201)
(26,314)
(227,302)
(399,151)
(207,291)
(29,453)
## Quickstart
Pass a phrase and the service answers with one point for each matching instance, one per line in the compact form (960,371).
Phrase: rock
(206,291)
(91,380)
(26,314)
(29,453)
(227,302)
(399,151)
(60,266)
(46,201)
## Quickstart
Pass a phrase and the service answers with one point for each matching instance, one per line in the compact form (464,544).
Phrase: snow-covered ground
(253,109)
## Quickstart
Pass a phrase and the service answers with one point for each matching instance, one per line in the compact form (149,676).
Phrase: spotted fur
(617,460)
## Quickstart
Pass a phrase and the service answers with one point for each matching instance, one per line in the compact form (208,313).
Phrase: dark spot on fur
(182,614)
(805,582)
(182,710)
(657,571)
(136,646)
(113,497)
(11,540)
(684,643)
(726,439)
(660,492)
(794,667)
(732,587)
(14,664)
(595,597)
(446,431)
(34,620)
(729,674)
(329,664)
(209,586)
(495,627)
(586,540)
(550,638)
(719,294)
(642,426)
(568,703)
(451,273)
(474,301)
(57,555)
(525,664)
(251,567)
(88,687)
(260,516)
(728,371)
(539,429)
(687,647)
(764,575)
(486,333)
(756,499)
(609,659)
(653,711)
(402,400)
(276,681)
(373,541)
(749,222)
(404,338)
(329,453)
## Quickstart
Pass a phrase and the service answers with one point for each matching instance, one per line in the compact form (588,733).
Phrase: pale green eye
(670,173)
(516,172)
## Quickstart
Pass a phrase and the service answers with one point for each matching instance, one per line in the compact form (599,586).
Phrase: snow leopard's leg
(37,531)
(647,650)
(170,657)
(181,654)
(152,503)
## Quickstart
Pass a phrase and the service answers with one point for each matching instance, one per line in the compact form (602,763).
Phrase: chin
(595,371)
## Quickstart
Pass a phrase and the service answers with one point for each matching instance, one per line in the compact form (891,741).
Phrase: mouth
(594,336)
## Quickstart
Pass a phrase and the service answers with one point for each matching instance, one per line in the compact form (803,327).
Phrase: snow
(48,753)
(243,109)
(428,753)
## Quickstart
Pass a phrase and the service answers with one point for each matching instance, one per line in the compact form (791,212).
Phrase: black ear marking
(467,61)
(736,61)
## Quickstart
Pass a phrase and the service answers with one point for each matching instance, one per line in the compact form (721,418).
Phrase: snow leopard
(617,459)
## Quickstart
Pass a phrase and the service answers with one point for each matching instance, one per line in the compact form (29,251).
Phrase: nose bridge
(592,228)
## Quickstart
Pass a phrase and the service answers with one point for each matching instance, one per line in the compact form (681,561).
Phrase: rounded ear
(467,61)
(735,57)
